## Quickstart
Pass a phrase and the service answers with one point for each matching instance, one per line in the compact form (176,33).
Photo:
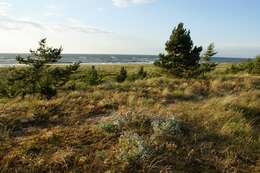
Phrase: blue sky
(129,26)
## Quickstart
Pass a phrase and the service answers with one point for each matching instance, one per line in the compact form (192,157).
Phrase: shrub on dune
(164,128)
(131,147)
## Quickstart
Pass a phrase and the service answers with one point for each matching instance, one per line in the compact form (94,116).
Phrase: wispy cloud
(126,3)
(7,23)
(11,23)
(4,7)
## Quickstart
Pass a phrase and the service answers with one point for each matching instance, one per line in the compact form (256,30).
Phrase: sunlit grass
(129,127)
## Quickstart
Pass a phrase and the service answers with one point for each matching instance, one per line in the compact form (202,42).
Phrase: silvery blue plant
(131,146)
(170,126)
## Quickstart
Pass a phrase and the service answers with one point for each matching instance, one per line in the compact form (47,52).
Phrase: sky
(129,26)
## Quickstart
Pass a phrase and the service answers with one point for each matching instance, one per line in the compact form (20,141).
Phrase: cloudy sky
(129,26)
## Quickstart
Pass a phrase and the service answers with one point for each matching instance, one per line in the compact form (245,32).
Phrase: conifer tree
(37,62)
(122,75)
(206,65)
(182,57)
(141,73)
(39,77)
(209,53)
(93,77)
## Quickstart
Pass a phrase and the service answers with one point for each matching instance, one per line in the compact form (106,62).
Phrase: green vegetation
(183,58)
(93,77)
(155,124)
(38,77)
(122,75)
(207,65)
(136,118)
(251,66)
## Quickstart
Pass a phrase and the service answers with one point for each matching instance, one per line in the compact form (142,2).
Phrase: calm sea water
(9,59)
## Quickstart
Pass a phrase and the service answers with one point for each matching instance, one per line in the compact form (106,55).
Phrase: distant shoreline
(7,60)
(63,64)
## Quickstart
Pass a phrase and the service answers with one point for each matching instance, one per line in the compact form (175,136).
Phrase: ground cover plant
(156,124)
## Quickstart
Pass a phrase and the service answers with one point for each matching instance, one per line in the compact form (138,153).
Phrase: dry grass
(114,127)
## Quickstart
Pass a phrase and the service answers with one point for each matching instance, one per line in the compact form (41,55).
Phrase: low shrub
(251,66)
(93,77)
(109,127)
(140,75)
(131,147)
(164,128)
(122,75)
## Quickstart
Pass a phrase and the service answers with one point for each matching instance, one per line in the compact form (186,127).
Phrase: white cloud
(4,7)
(126,3)
(9,22)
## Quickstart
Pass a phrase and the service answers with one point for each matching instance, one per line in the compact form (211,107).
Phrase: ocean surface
(9,59)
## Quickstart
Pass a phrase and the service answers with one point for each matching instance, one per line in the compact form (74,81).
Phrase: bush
(140,75)
(122,75)
(46,86)
(131,147)
(93,77)
(251,66)
(109,127)
(166,127)
(39,77)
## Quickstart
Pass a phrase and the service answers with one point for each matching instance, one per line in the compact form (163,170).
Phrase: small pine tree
(182,58)
(206,65)
(141,73)
(39,77)
(93,77)
(37,61)
(122,75)
(206,57)
(42,56)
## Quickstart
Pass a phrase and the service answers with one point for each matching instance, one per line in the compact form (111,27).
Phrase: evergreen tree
(93,77)
(182,58)
(42,56)
(141,73)
(206,65)
(37,62)
(39,77)
(122,75)
(209,53)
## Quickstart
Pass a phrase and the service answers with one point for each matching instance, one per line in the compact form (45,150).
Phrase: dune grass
(159,124)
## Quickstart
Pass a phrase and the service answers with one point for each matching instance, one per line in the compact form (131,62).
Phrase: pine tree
(209,53)
(37,62)
(206,65)
(39,77)
(42,56)
(181,58)
(141,73)
(122,75)
(93,77)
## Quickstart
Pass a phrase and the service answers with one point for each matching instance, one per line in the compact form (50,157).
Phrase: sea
(9,59)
